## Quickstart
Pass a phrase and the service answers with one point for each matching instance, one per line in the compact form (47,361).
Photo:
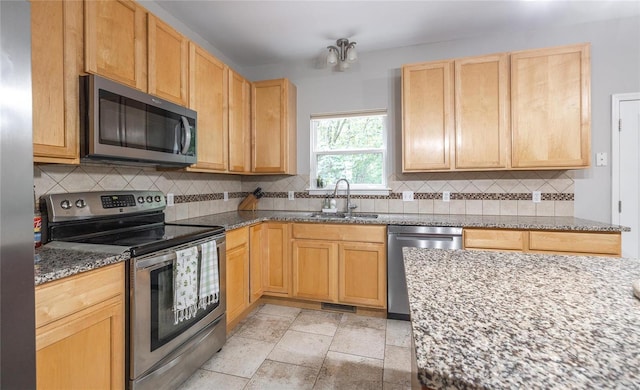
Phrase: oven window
(163,328)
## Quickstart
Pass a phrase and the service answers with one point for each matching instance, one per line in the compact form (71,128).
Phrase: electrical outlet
(446,196)
(407,196)
(601,159)
(170,200)
(225,196)
(536,196)
(291,195)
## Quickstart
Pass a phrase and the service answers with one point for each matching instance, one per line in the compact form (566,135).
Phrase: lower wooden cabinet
(276,261)
(550,242)
(315,270)
(80,331)
(362,274)
(256,258)
(340,263)
(237,272)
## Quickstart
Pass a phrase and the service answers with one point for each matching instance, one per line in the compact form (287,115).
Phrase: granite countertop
(513,320)
(236,219)
(57,260)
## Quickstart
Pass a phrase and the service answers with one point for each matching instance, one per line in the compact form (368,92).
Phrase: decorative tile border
(393,195)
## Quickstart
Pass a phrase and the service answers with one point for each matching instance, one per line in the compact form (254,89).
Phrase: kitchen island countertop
(516,320)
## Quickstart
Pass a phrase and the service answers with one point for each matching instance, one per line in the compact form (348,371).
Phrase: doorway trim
(615,147)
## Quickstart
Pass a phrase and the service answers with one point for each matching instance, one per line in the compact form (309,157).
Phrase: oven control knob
(65,204)
(149,199)
(140,199)
(80,203)
(157,198)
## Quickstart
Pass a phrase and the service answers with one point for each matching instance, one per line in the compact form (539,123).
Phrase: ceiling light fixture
(343,54)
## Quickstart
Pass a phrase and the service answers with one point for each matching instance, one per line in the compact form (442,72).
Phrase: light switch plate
(536,196)
(170,199)
(291,195)
(446,196)
(225,196)
(407,196)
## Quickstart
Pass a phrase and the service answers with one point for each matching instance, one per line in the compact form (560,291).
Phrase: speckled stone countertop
(491,320)
(235,219)
(58,260)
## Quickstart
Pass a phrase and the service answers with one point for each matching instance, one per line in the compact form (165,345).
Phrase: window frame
(356,189)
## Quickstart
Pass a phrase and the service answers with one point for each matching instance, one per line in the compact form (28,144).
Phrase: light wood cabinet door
(237,269)
(495,239)
(273,126)
(582,243)
(56,62)
(482,112)
(362,274)
(550,107)
(315,270)
(239,123)
(168,56)
(256,258)
(80,342)
(208,96)
(276,263)
(427,116)
(116,41)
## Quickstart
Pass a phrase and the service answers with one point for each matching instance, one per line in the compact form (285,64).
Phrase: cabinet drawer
(237,237)
(336,232)
(494,239)
(573,242)
(62,297)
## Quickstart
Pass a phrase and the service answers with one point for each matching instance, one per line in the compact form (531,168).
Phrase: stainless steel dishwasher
(400,236)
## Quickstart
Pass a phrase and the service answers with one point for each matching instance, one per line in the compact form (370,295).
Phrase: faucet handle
(352,206)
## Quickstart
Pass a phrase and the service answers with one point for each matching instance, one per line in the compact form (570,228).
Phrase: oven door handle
(155,262)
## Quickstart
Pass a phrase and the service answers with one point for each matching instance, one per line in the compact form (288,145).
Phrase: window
(351,146)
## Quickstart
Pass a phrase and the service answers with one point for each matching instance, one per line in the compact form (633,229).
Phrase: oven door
(153,333)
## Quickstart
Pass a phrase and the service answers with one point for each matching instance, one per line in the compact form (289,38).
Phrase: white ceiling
(253,33)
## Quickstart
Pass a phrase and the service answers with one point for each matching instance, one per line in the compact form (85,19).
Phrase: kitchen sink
(321,215)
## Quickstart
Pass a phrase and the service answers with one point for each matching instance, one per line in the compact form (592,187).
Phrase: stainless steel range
(166,342)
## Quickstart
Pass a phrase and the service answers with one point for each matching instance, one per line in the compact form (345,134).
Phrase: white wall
(374,82)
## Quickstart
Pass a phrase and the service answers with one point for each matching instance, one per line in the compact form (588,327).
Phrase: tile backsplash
(196,194)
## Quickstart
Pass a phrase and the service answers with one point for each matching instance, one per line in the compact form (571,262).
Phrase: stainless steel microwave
(122,124)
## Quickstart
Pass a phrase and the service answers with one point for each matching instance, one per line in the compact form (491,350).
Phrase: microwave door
(111,119)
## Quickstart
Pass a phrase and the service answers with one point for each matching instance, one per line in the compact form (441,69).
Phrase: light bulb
(352,54)
(344,65)
(332,58)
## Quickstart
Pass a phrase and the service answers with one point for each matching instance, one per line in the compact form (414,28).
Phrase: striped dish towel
(185,284)
(209,292)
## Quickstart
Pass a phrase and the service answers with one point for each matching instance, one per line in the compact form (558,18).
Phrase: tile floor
(279,347)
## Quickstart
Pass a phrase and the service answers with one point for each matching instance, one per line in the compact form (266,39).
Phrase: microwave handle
(187,135)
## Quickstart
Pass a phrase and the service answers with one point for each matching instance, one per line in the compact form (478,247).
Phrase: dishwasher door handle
(405,237)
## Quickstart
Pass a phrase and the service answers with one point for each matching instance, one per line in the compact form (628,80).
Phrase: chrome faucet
(348,206)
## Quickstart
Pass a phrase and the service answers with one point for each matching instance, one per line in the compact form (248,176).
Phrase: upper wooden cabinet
(208,85)
(273,127)
(427,116)
(116,41)
(550,107)
(239,123)
(482,112)
(168,62)
(56,62)
(533,115)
